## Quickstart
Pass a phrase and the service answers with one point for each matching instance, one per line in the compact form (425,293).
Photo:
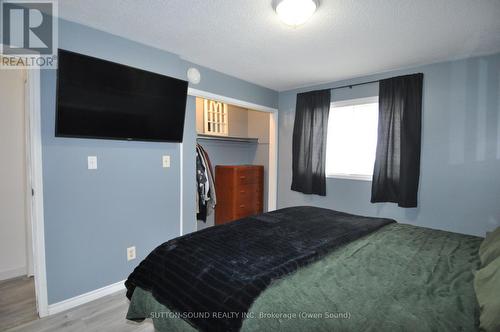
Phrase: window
(215,115)
(352,139)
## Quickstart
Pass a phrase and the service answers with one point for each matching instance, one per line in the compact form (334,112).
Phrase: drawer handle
(242,191)
(242,206)
(243,177)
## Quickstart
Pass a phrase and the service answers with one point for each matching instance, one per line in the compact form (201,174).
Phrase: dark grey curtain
(397,165)
(309,142)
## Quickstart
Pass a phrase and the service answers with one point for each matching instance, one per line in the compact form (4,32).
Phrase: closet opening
(235,148)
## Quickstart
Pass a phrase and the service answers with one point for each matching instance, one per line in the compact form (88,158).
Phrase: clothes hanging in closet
(206,198)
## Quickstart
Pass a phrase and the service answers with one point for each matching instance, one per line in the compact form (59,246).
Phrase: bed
(392,277)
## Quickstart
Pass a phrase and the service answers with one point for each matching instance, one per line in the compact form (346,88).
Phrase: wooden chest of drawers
(239,192)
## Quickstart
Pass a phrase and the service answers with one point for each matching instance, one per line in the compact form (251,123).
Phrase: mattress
(399,278)
(224,269)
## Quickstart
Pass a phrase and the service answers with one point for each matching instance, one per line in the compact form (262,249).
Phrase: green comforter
(400,278)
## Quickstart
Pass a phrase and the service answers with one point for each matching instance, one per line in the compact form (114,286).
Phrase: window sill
(357,177)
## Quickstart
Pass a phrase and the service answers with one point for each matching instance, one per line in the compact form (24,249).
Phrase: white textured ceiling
(344,39)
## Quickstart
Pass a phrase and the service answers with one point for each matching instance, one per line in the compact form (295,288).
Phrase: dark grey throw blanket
(213,276)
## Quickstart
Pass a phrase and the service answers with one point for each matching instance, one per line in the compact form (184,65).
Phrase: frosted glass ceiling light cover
(295,12)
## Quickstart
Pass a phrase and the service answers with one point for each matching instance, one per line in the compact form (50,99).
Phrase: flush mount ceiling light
(295,12)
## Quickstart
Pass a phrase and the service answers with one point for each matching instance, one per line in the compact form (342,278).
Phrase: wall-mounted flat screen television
(103,99)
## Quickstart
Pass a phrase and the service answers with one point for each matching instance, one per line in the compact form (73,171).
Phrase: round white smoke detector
(193,75)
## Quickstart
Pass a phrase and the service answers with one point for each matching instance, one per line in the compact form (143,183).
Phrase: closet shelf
(228,139)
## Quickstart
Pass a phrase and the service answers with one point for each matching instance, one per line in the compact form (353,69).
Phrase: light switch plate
(92,162)
(130,253)
(166,161)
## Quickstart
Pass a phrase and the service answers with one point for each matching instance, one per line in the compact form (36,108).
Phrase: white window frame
(357,177)
(351,102)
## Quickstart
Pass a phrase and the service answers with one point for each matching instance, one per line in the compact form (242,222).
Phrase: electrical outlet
(92,162)
(130,253)
(166,161)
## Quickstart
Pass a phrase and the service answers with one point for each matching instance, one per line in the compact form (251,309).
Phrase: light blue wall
(460,159)
(91,217)
(83,39)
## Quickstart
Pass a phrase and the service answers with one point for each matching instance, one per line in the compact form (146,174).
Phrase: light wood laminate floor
(102,315)
(17,302)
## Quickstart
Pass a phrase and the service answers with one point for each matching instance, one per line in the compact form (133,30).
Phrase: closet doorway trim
(273,138)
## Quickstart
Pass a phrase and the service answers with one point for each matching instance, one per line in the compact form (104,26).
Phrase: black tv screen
(103,99)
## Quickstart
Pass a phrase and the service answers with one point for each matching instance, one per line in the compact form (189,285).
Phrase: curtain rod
(369,82)
(350,86)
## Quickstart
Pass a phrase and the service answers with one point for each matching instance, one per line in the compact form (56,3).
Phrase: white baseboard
(85,298)
(13,273)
